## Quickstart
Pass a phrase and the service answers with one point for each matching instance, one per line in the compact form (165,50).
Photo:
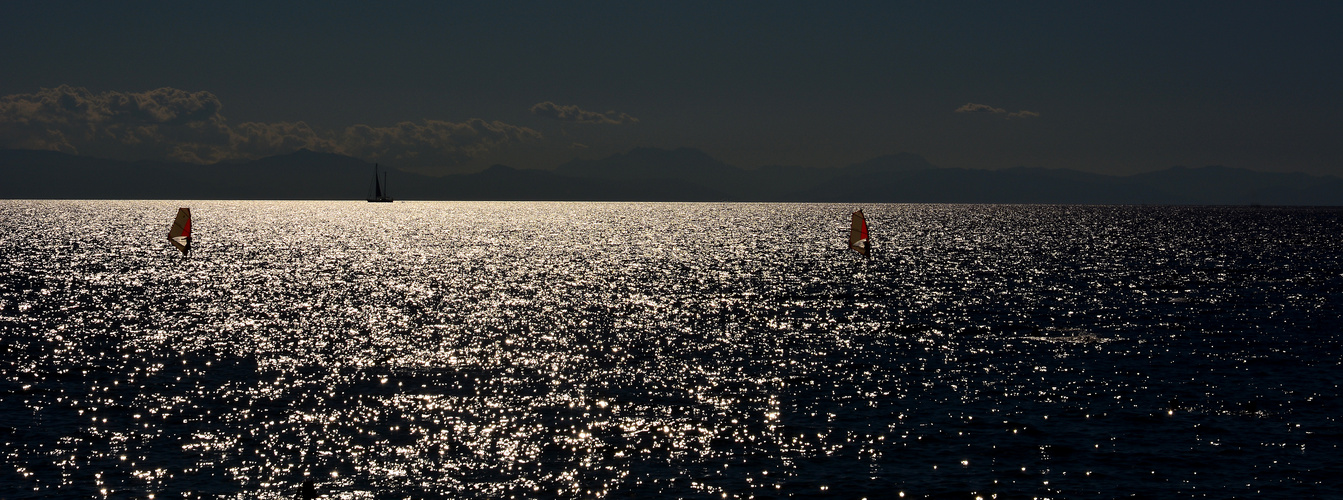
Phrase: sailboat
(379,188)
(858,239)
(180,234)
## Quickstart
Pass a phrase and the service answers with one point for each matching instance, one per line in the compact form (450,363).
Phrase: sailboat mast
(377,187)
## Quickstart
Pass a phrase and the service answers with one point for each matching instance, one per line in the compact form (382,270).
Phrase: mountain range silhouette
(651,174)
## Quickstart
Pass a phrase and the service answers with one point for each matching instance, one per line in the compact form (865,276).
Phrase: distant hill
(650,174)
(300,175)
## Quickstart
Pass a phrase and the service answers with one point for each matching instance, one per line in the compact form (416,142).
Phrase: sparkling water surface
(533,350)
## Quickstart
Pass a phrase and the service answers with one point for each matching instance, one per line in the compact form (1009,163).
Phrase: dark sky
(455,86)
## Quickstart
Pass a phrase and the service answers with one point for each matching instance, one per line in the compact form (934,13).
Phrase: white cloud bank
(175,124)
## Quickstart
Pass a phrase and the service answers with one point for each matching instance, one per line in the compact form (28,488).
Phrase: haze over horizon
(444,89)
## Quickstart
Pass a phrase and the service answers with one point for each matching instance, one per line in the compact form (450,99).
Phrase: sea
(669,350)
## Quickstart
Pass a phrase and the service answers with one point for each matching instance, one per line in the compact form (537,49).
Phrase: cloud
(174,124)
(971,107)
(164,123)
(253,139)
(574,114)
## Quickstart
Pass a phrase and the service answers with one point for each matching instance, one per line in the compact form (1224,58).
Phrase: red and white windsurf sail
(180,234)
(858,240)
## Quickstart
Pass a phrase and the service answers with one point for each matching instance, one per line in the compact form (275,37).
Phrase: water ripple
(529,350)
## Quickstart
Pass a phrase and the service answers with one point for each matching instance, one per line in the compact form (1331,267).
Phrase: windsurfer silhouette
(180,232)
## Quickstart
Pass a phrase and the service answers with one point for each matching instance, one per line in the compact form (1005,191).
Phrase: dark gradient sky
(1119,88)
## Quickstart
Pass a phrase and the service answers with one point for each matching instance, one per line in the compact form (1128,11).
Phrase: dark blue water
(492,350)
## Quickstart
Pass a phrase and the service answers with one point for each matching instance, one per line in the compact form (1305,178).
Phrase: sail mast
(377,187)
